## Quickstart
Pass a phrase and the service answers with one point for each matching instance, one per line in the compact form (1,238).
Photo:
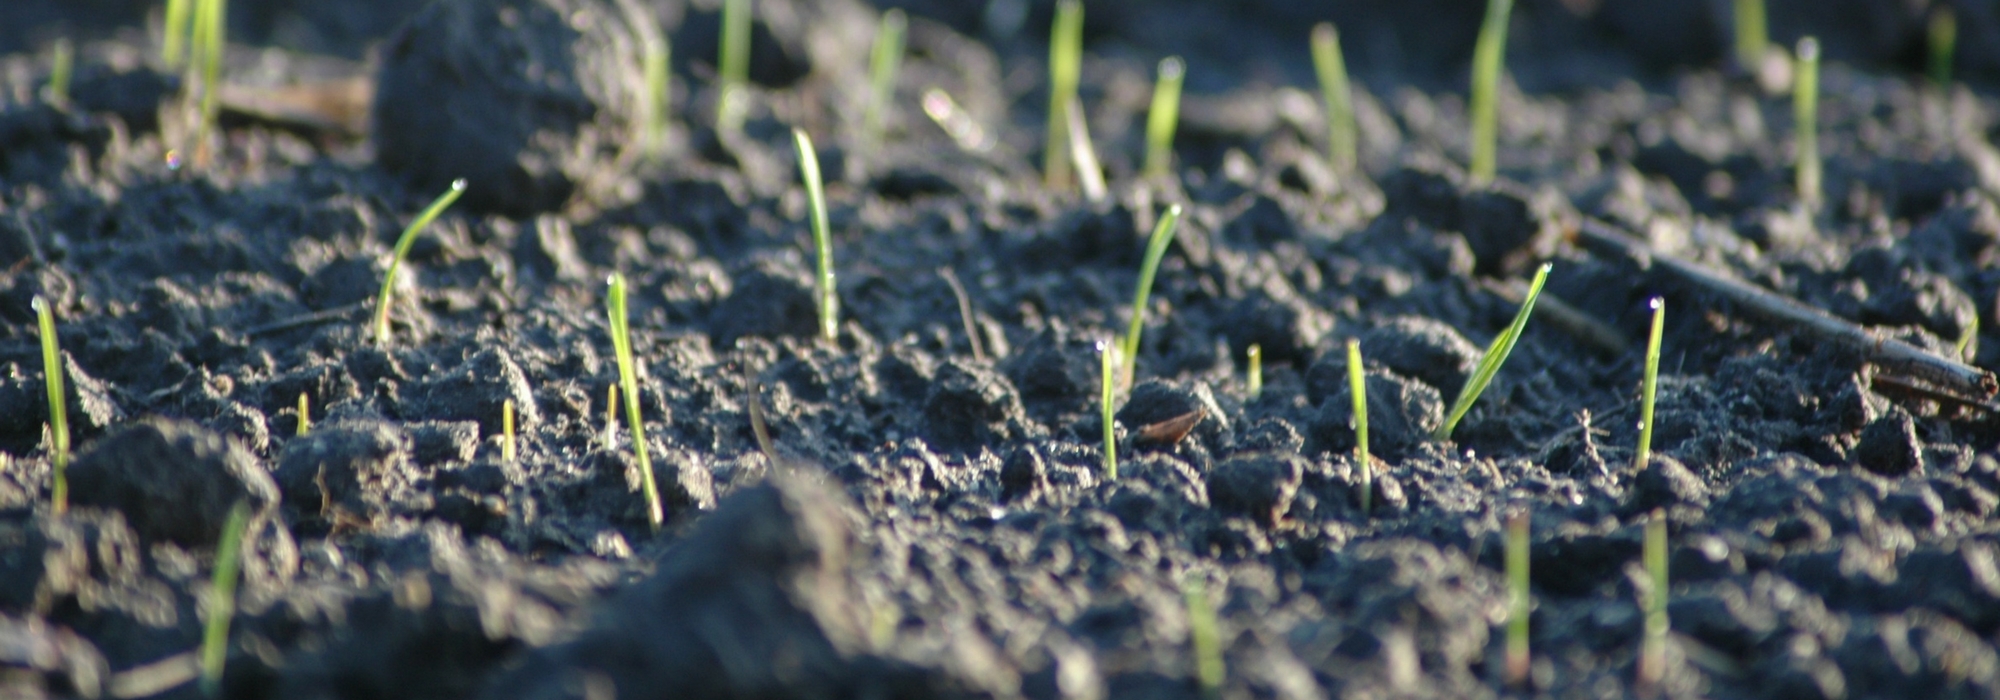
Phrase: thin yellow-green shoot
(1083,156)
(507,431)
(1357,387)
(1943,42)
(1653,651)
(210,40)
(1065,67)
(1156,248)
(1338,97)
(222,599)
(1644,453)
(1256,371)
(1496,354)
(62,61)
(1487,57)
(1805,113)
(884,62)
(1164,116)
(1107,353)
(403,244)
(610,415)
(52,377)
(733,65)
(659,98)
(1752,37)
(1519,601)
(628,380)
(829,297)
(305,415)
(174,32)
(1204,636)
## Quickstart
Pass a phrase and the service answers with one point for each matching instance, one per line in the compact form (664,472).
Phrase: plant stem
(174,32)
(1652,656)
(1205,636)
(62,62)
(829,297)
(52,377)
(1256,371)
(403,244)
(1357,387)
(1065,66)
(1752,39)
(628,378)
(222,599)
(305,415)
(1163,117)
(1519,601)
(1943,35)
(1487,57)
(1496,354)
(507,449)
(1341,140)
(884,62)
(1644,453)
(1156,248)
(659,94)
(1805,106)
(212,41)
(1083,156)
(733,65)
(1107,352)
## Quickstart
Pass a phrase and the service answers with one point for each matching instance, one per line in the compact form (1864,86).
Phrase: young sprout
(829,298)
(1805,111)
(1653,653)
(1943,44)
(1489,363)
(1163,116)
(507,430)
(52,373)
(1084,156)
(1752,39)
(1964,349)
(659,98)
(210,39)
(174,32)
(1107,351)
(305,415)
(1644,453)
(610,416)
(884,62)
(403,244)
(1339,98)
(1156,248)
(1357,386)
(733,65)
(1256,371)
(1519,601)
(628,379)
(62,61)
(1204,636)
(222,599)
(1065,65)
(1487,56)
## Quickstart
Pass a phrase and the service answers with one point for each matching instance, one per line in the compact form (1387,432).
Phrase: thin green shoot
(1963,349)
(1156,248)
(210,41)
(1065,67)
(1644,453)
(829,297)
(733,65)
(1107,352)
(610,416)
(628,380)
(1164,117)
(1943,33)
(1341,140)
(62,62)
(507,449)
(659,95)
(1357,387)
(1805,113)
(1753,39)
(305,415)
(403,244)
(1653,652)
(1496,354)
(885,60)
(52,373)
(222,599)
(1256,387)
(1519,600)
(1083,156)
(1205,636)
(1487,56)
(174,32)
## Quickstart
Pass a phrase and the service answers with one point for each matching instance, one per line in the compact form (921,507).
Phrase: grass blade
(1357,386)
(1644,452)
(1653,652)
(1107,352)
(222,599)
(829,297)
(1083,155)
(174,32)
(1520,602)
(1163,117)
(1496,354)
(1752,37)
(884,62)
(1805,114)
(1256,387)
(733,64)
(1487,57)
(1156,248)
(1065,65)
(52,373)
(1338,96)
(1943,41)
(1205,637)
(628,379)
(403,244)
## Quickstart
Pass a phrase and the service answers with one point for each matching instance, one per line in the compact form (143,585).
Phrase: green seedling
(1156,248)
(210,40)
(1644,453)
(1205,636)
(1496,354)
(1083,156)
(659,99)
(1943,33)
(1805,112)
(884,62)
(403,244)
(174,32)
(1065,65)
(829,297)
(52,373)
(733,65)
(1964,349)
(610,416)
(507,431)
(305,415)
(628,380)
(1164,116)
(62,62)
(1357,386)
(1107,352)
(1519,600)
(1653,653)
(1487,56)
(1256,371)
(1752,38)
(1338,96)
(222,599)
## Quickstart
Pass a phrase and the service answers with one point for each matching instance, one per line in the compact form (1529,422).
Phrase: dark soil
(935,521)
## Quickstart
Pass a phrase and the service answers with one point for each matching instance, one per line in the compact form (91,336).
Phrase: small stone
(1889,445)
